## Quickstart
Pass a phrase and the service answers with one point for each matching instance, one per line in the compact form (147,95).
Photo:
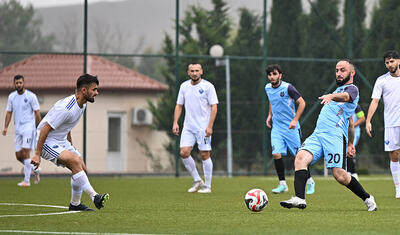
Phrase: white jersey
(62,117)
(197,100)
(389,87)
(23,107)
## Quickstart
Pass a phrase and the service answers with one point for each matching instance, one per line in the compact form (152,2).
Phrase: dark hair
(272,67)
(391,54)
(86,80)
(347,60)
(18,76)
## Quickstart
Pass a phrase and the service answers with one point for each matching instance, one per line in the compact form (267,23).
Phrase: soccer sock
(357,189)
(207,168)
(190,166)
(395,170)
(300,178)
(82,180)
(351,165)
(280,168)
(76,193)
(27,170)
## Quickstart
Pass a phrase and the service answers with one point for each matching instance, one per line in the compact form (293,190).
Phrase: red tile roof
(54,72)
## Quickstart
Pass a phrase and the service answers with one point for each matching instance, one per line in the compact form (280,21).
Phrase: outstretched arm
(338,97)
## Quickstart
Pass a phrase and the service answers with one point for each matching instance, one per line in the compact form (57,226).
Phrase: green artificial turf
(162,205)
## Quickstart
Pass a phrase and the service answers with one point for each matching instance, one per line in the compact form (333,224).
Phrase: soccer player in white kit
(388,86)
(200,100)
(26,107)
(54,142)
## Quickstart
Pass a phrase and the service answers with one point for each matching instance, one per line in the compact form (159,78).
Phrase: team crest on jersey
(387,142)
(25,100)
(201,91)
(282,94)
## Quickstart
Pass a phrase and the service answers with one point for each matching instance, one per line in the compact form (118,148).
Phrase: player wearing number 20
(333,132)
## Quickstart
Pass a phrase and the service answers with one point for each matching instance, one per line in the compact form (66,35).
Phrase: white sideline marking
(79,233)
(37,205)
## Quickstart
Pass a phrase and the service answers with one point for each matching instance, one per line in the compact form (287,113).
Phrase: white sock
(27,170)
(395,169)
(282,182)
(207,168)
(190,166)
(310,180)
(76,193)
(82,180)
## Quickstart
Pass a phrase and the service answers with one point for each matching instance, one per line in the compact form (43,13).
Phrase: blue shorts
(282,140)
(331,146)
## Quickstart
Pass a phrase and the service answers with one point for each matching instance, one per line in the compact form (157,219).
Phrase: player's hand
(292,124)
(268,122)
(209,131)
(35,160)
(368,128)
(351,151)
(4,132)
(325,99)
(175,129)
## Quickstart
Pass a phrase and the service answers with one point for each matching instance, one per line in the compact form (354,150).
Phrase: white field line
(77,233)
(37,205)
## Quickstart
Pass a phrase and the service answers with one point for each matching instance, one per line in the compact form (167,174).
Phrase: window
(114,134)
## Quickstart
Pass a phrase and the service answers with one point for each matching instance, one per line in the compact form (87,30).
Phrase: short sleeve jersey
(388,87)
(197,100)
(282,100)
(62,117)
(334,116)
(23,107)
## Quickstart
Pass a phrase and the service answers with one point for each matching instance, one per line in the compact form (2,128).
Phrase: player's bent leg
(341,176)
(71,161)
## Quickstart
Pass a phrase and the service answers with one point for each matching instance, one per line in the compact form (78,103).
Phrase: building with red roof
(119,133)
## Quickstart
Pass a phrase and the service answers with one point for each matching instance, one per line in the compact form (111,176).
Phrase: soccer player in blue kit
(333,132)
(283,119)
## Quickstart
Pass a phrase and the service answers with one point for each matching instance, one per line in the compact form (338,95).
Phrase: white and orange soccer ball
(256,200)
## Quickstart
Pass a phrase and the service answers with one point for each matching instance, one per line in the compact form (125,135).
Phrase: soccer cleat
(204,189)
(370,203)
(280,189)
(310,188)
(24,184)
(99,200)
(79,207)
(37,175)
(294,202)
(195,186)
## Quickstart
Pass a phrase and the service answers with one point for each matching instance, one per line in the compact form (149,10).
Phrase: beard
(343,81)
(276,84)
(394,70)
(195,79)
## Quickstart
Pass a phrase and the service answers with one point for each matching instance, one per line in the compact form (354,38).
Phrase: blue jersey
(335,115)
(282,100)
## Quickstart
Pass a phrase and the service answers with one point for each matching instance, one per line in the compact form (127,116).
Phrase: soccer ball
(256,200)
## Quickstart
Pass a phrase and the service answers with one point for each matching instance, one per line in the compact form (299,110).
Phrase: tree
(19,31)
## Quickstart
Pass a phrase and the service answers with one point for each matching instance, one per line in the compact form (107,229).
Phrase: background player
(55,142)
(26,107)
(200,100)
(358,119)
(284,121)
(388,86)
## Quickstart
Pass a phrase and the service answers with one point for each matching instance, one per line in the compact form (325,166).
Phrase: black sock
(308,173)
(351,167)
(357,189)
(300,179)
(280,168)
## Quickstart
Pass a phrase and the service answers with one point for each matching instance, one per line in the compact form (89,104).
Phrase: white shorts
(189,138)
(51,151)
(24,139)
(392,138)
